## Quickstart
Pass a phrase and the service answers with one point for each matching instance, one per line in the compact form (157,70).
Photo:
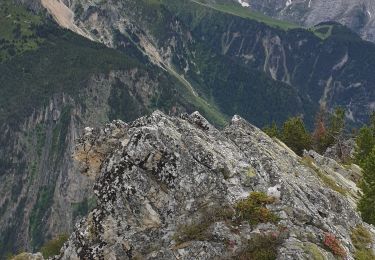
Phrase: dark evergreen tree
(296,136)
(336,124)
(272,130)
(365,142)
(366,204)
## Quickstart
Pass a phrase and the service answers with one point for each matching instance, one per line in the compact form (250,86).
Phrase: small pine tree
(319,136)
(272,131)
(335,131)
(365,142)
(296,136)
(366,204)
(336,125)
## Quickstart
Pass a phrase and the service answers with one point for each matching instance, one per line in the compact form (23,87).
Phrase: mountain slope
(122,23)
(244,63)
(176,187)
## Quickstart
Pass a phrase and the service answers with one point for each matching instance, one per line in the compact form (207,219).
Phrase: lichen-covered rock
(169,188)
(344,177)
(343,151)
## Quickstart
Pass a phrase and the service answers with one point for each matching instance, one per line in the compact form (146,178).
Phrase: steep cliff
(176,187)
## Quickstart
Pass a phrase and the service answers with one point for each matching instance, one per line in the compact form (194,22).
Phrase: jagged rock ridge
(160,173)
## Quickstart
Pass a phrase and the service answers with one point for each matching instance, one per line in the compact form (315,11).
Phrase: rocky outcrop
(161,178)
(342,151)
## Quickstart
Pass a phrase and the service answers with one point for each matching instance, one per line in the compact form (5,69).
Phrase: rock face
(160,175)
(358,15)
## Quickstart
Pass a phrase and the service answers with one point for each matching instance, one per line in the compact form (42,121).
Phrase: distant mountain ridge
(358,15)
(323,65)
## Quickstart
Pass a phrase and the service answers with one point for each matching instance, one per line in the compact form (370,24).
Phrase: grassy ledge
(237,10)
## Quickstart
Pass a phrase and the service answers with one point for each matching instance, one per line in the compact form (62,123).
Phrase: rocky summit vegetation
(332,131)
(178,187)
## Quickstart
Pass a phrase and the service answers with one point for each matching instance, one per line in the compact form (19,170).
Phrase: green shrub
(52,247)
(362,241)
(313,251)
(194,231)
(261,247)
(253,209)
(364,254)
(360,236)
(197,230)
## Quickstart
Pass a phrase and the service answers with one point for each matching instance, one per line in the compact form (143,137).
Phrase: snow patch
(243,3)
(288,3)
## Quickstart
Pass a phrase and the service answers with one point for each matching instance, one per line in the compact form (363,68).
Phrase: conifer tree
(365,142)
(336,124)
(366,204)
(296,136)
(319,135)
(273,130)
(335,132)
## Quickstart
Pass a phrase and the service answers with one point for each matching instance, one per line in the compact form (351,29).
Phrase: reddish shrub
(334,245)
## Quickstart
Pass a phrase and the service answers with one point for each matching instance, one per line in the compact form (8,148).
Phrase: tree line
(328,131)
(331,130)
